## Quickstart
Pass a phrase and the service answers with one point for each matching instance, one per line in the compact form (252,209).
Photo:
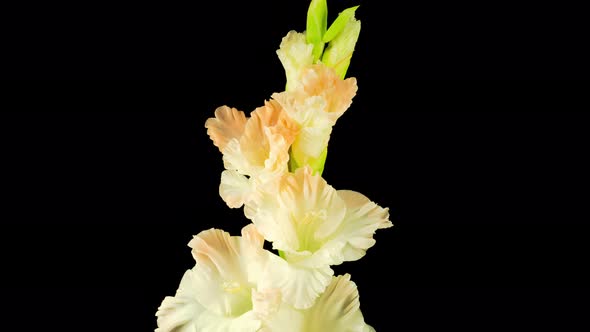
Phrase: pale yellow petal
(310,143)
(337,309)
(251,234)
(234,188)
(235,159)
(275,314)
(299,286)
(363,218)
(211,322)
(221,273)
(227,124)
(299,214)
(295,54)
(179,313)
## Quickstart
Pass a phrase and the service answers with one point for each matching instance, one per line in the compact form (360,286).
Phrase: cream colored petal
(179,313)
(299,286)
(266,302)
(337,309)
(303,109)
(211,322)
(235,159)
(184,313)
(234,188)
(297,216)
(227,124)
(295,54)
(251,235)
(363,218)
(311,142)
(220,274)
(275,314)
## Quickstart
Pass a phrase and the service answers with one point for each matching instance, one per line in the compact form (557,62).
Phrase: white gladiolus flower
(215,296)
(313,226)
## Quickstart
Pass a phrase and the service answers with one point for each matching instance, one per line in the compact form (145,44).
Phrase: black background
(105,182)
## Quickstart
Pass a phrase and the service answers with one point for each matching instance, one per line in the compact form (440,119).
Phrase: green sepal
(339,24)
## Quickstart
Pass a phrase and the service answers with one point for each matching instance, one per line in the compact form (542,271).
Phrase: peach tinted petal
(221,273)
(227,124)
(320,80)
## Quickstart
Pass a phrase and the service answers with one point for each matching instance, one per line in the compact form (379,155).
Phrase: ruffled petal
(299,213)
(262,150)
(295,54)
(337,309)
(321,80)
(266,150)
(234,188)
(235,159)
(227,124)
(220,274)
(273,116)
(299,286)
(363,218)
(179,313)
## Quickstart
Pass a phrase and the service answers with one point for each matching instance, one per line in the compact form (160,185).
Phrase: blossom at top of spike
(315,105)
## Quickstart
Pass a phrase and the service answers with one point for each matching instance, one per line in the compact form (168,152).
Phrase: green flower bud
(317,23)
(339,51)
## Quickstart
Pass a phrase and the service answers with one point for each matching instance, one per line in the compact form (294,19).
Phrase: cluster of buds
(273,160)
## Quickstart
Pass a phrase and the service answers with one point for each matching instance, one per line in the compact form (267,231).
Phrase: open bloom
(255,150)
(222,294)
(313,226)
(216,295)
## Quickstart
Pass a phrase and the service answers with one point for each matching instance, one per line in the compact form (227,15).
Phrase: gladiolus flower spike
(273,159)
